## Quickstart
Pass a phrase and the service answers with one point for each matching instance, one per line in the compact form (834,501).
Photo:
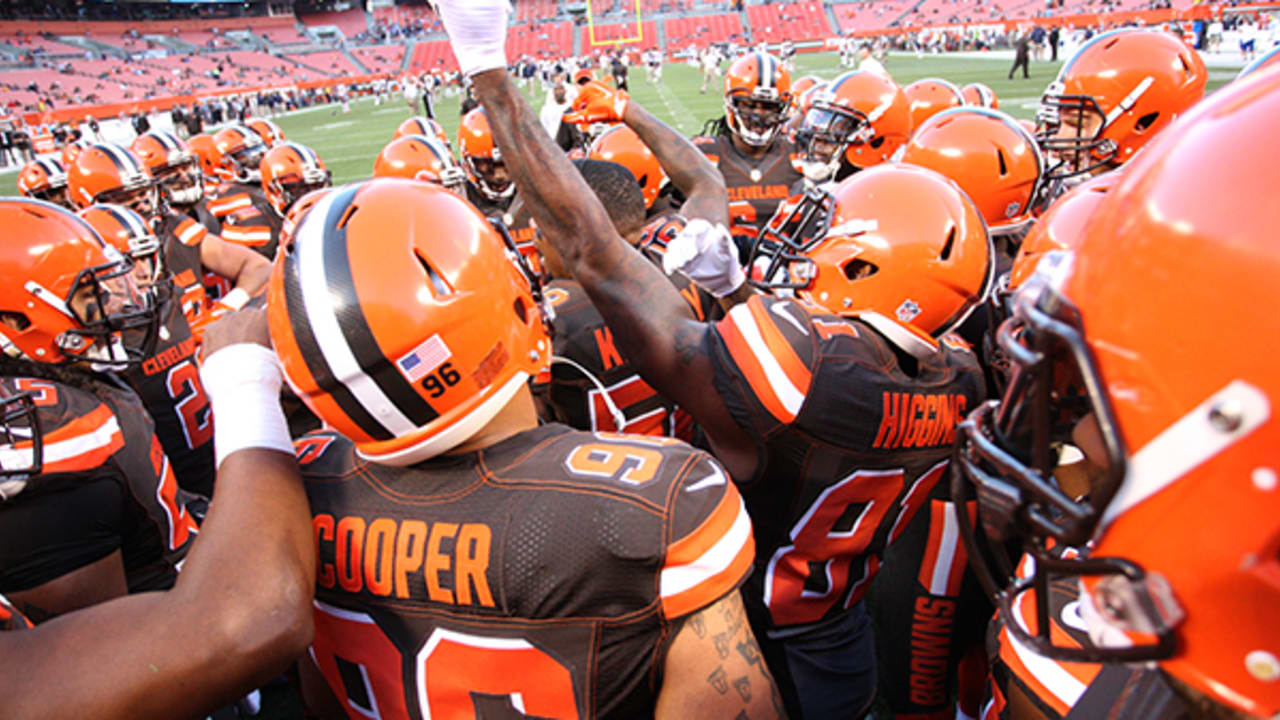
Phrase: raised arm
(646,314)
(238,615)
(690,171)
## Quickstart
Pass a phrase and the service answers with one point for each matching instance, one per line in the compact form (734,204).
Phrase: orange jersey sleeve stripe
(190,232)
(779,348)
(691,586)
(82,444)
(1059,684)
(773,379)
(231,203)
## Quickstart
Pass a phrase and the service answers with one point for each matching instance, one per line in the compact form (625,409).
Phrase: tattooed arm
(714,669)
(689,170)
(649,320)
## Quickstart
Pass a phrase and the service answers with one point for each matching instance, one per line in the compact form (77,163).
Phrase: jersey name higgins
(919,419)
(758,192)
(442,562)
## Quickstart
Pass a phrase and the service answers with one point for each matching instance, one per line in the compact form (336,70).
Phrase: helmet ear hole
(948,245)
(876,142)
(1146,121)
(1004,167)
(16,320)
(521,311)
(858,269)
(437,281)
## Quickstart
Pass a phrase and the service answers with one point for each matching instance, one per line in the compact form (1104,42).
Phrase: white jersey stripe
(787,393)
(329,336)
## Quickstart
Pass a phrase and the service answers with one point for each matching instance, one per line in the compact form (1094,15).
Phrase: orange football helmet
(757,98)
(979,95)
(421,157)
(1061,227)
(622,145)
(110,173)
(206,151)
(71,151)
(239,154)
(800,87)
(270,132)
(44,180)
(989,155)
(69,296)
(422,125)
(1125,339)
(862,117)
(174,166)
(403,318)
(132,236)
(295,213)
(1265,60)
(290,170)
(930,96)
(481,157)
(1115,93)
(898,246)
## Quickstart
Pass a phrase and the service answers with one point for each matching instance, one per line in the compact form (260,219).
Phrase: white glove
(705,253)
(478,32)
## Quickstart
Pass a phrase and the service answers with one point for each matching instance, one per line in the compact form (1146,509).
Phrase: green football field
(348,142)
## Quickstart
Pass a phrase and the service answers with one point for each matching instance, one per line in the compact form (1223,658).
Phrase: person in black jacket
(1021,55)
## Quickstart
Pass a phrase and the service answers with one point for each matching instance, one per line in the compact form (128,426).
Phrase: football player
(747,145)
(421,157)
(168,383)
(489,185)
(45,180)
(773,383)
(1172,522)
(178,174)
(519,568)
(421,125)
(98,512)
(237,615)
(270,132)
(991,157)
(1112,96)
(590,385)
(247,217)
(290,170)
(930,96)
(859,120)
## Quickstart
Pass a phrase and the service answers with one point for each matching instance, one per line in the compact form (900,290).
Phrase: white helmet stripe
(318,304)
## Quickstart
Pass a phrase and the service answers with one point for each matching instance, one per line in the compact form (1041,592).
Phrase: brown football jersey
(104,437)
(542,575)
(851,445)
(247,217)
(759,183)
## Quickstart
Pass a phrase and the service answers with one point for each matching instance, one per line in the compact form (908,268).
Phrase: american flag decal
(423,359)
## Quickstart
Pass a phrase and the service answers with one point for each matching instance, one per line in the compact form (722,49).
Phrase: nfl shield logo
(908,311)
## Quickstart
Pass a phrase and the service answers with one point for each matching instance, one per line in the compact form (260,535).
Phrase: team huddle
(865,392)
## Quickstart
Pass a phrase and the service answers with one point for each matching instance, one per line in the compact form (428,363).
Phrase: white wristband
(235,299)
(243,385)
